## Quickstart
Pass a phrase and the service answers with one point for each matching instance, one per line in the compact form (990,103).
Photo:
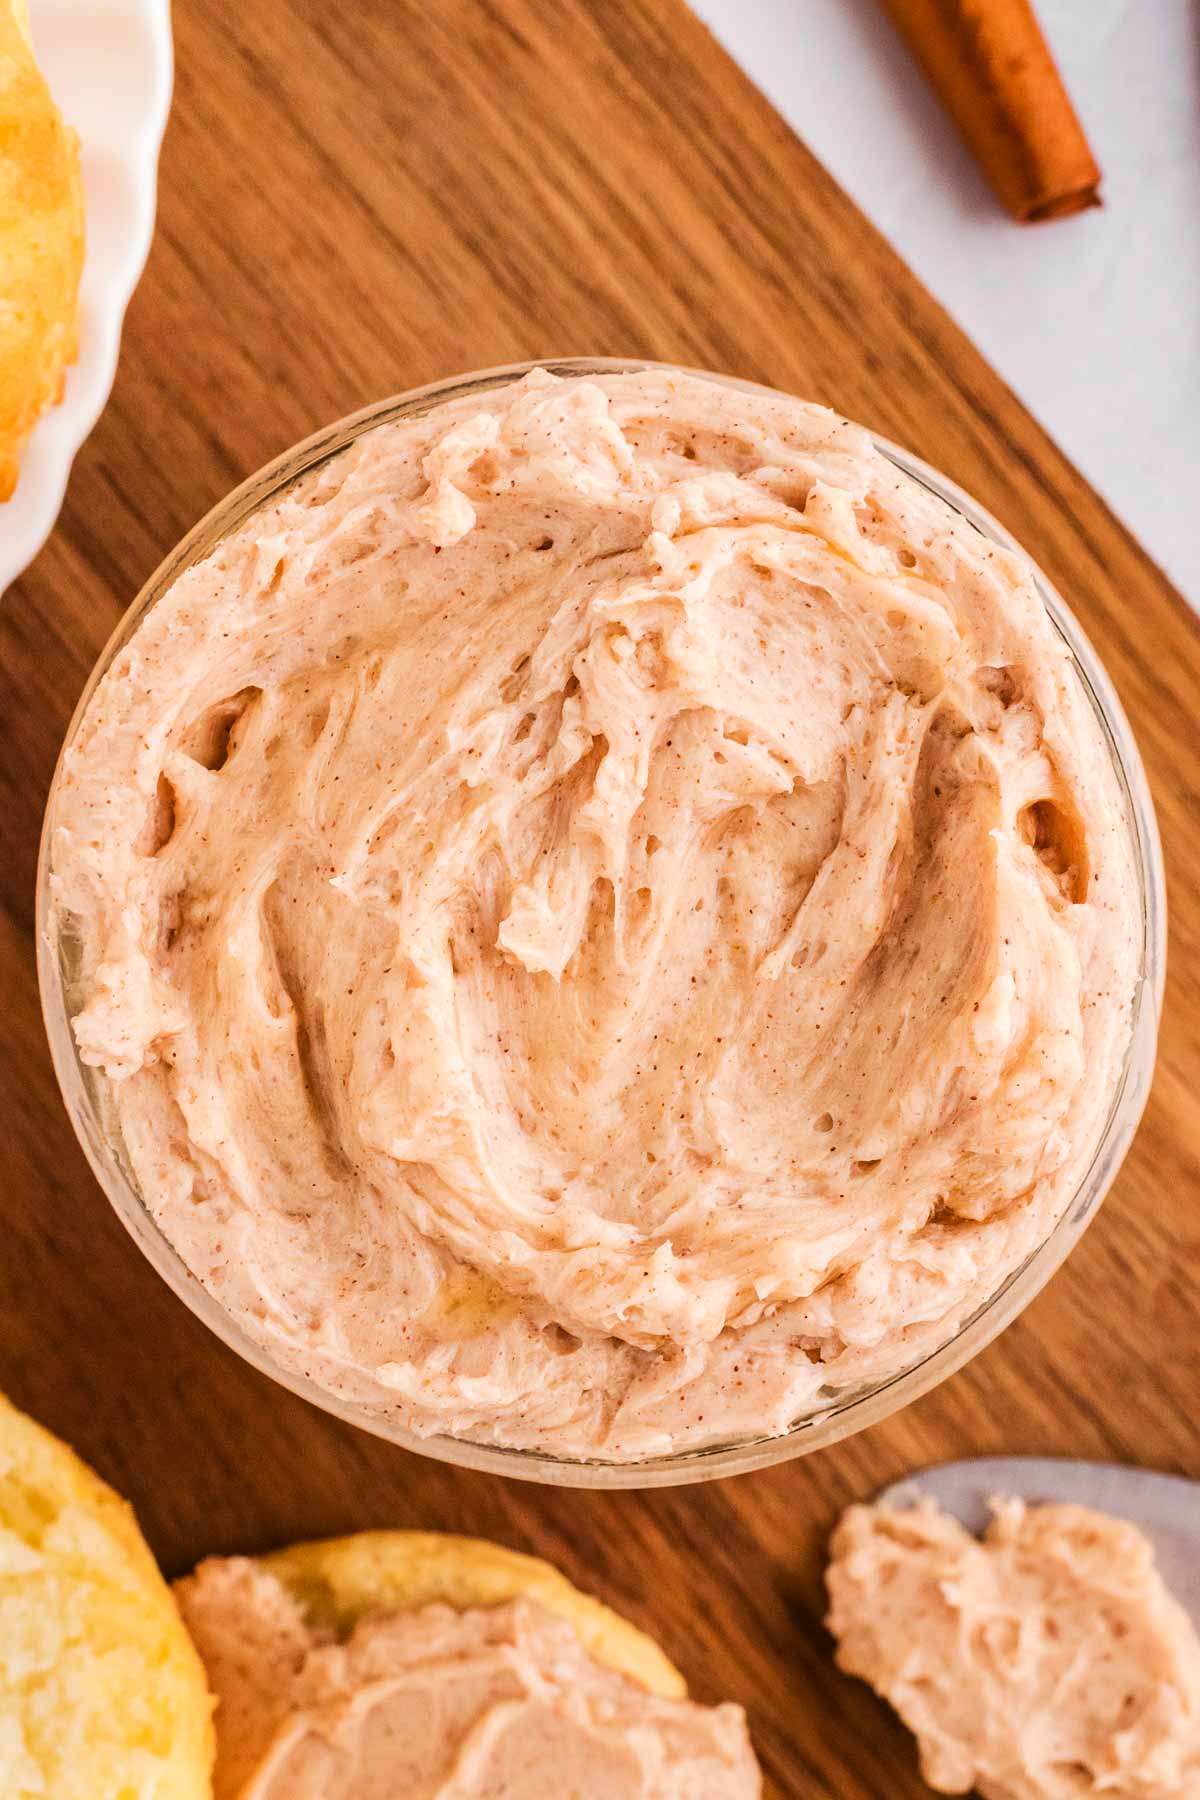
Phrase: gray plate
(1165,1507)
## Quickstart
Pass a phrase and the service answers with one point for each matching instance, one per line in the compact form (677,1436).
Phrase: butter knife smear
(1033,1623)
(1166,1508)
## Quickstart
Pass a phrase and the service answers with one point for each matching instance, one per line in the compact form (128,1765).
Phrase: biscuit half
(102,1695)
(41,242)
(340,1580)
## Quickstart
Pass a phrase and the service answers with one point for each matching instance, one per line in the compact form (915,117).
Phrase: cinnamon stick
(993,71)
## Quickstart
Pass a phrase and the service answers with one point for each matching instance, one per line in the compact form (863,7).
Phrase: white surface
(1094,321)
(108,63)
(1166,1507)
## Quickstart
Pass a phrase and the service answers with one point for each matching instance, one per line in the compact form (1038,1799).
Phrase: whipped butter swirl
(606,914)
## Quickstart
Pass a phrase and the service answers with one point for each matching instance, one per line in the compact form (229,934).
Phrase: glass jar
(839,1412)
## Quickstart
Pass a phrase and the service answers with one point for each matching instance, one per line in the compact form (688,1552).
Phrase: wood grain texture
(359,199)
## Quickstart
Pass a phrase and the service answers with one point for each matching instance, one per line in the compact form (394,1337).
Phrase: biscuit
(102,1695)
(41,242)
(341,1579)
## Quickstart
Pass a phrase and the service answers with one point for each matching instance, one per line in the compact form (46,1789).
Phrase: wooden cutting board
(356,199)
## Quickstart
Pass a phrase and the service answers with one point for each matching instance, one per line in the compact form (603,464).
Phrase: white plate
(109,66)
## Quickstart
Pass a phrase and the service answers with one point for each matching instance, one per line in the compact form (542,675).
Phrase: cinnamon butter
(605,913)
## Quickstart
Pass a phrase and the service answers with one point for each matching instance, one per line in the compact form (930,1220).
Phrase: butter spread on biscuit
(440,1704)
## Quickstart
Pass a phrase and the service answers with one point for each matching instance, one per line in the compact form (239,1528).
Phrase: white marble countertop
(1093,321)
